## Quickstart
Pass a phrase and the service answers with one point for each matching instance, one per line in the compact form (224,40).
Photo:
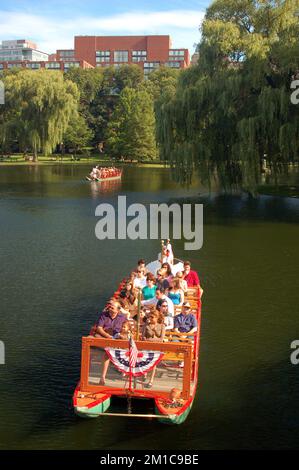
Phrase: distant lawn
(17,159)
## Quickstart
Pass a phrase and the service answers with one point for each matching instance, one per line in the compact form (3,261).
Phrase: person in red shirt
(190,276)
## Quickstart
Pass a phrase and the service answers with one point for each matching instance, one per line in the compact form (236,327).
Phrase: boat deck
(168,375)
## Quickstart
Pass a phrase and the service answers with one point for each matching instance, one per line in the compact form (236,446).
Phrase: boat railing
(169,372)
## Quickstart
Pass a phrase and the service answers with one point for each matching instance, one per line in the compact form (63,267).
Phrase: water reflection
(98,188)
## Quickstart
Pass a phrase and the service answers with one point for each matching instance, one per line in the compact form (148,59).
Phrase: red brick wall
(157,47)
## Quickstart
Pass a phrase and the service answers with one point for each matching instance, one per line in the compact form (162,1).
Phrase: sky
(53,24)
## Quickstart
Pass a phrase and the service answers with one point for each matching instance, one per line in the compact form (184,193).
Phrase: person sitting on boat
(141,266)
(182,282)
(153,330)
(185,322)
(93,174)
(110,321)
(162,297)
(162,282)
(108,326)
(190,276)
(168,319)
(124,332)
(175,399)
(149,291)
(175,293)
(126,307)
(130,294)
(157,300)
(166,268)
(140,280)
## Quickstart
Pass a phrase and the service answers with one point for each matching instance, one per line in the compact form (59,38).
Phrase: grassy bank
(18,160)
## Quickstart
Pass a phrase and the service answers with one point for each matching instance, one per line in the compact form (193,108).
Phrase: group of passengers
(161,295)
(104,172)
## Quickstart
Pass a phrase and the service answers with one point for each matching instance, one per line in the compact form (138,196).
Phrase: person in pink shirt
(190,276)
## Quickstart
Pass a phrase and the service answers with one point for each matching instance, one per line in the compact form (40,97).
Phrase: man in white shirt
(157,301)
(168,320)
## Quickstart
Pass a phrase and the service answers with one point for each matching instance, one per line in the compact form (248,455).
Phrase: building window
(150,66)
(121,56)
(173,65)
(52,65)
(1,66)
(68,65)
(102,56)
(138,56)
(67,53)
(10,66)
(176,53)
(33,66)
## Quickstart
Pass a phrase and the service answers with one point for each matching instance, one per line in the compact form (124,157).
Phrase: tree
(39,105)
(131,131)
(234,108)
(78,134)
(162,81)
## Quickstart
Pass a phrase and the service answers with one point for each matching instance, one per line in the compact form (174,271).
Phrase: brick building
(149,52)
(49,65)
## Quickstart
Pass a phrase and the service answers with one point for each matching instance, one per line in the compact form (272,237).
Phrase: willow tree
(39,106)
(233,109)
(131,130)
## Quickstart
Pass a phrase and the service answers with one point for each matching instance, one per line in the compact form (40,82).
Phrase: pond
(56,275)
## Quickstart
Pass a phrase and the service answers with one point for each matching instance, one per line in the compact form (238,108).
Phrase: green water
(55,276)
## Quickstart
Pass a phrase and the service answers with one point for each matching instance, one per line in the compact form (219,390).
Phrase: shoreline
(89,162)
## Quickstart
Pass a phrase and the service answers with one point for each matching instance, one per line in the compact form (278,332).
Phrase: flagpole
(162,247)
(138,314)
(130,368)
(138,323)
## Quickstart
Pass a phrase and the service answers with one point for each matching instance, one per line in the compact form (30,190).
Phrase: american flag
(133,353)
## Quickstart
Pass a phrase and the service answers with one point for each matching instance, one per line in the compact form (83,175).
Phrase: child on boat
(124,332)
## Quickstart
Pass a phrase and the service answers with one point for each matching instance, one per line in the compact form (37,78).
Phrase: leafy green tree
(39,105)
(234,108)
(78,134)
(162,81)
(131,130)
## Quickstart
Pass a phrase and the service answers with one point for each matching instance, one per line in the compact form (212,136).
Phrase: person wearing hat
(185,322)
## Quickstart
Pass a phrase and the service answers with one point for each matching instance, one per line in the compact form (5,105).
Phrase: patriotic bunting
(141,361)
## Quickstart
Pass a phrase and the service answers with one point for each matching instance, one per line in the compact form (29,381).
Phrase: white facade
(21,50)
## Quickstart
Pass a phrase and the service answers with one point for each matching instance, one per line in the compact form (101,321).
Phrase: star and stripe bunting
(132,361)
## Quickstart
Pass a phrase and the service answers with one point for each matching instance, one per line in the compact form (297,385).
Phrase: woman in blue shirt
(149,291)
(176,294)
